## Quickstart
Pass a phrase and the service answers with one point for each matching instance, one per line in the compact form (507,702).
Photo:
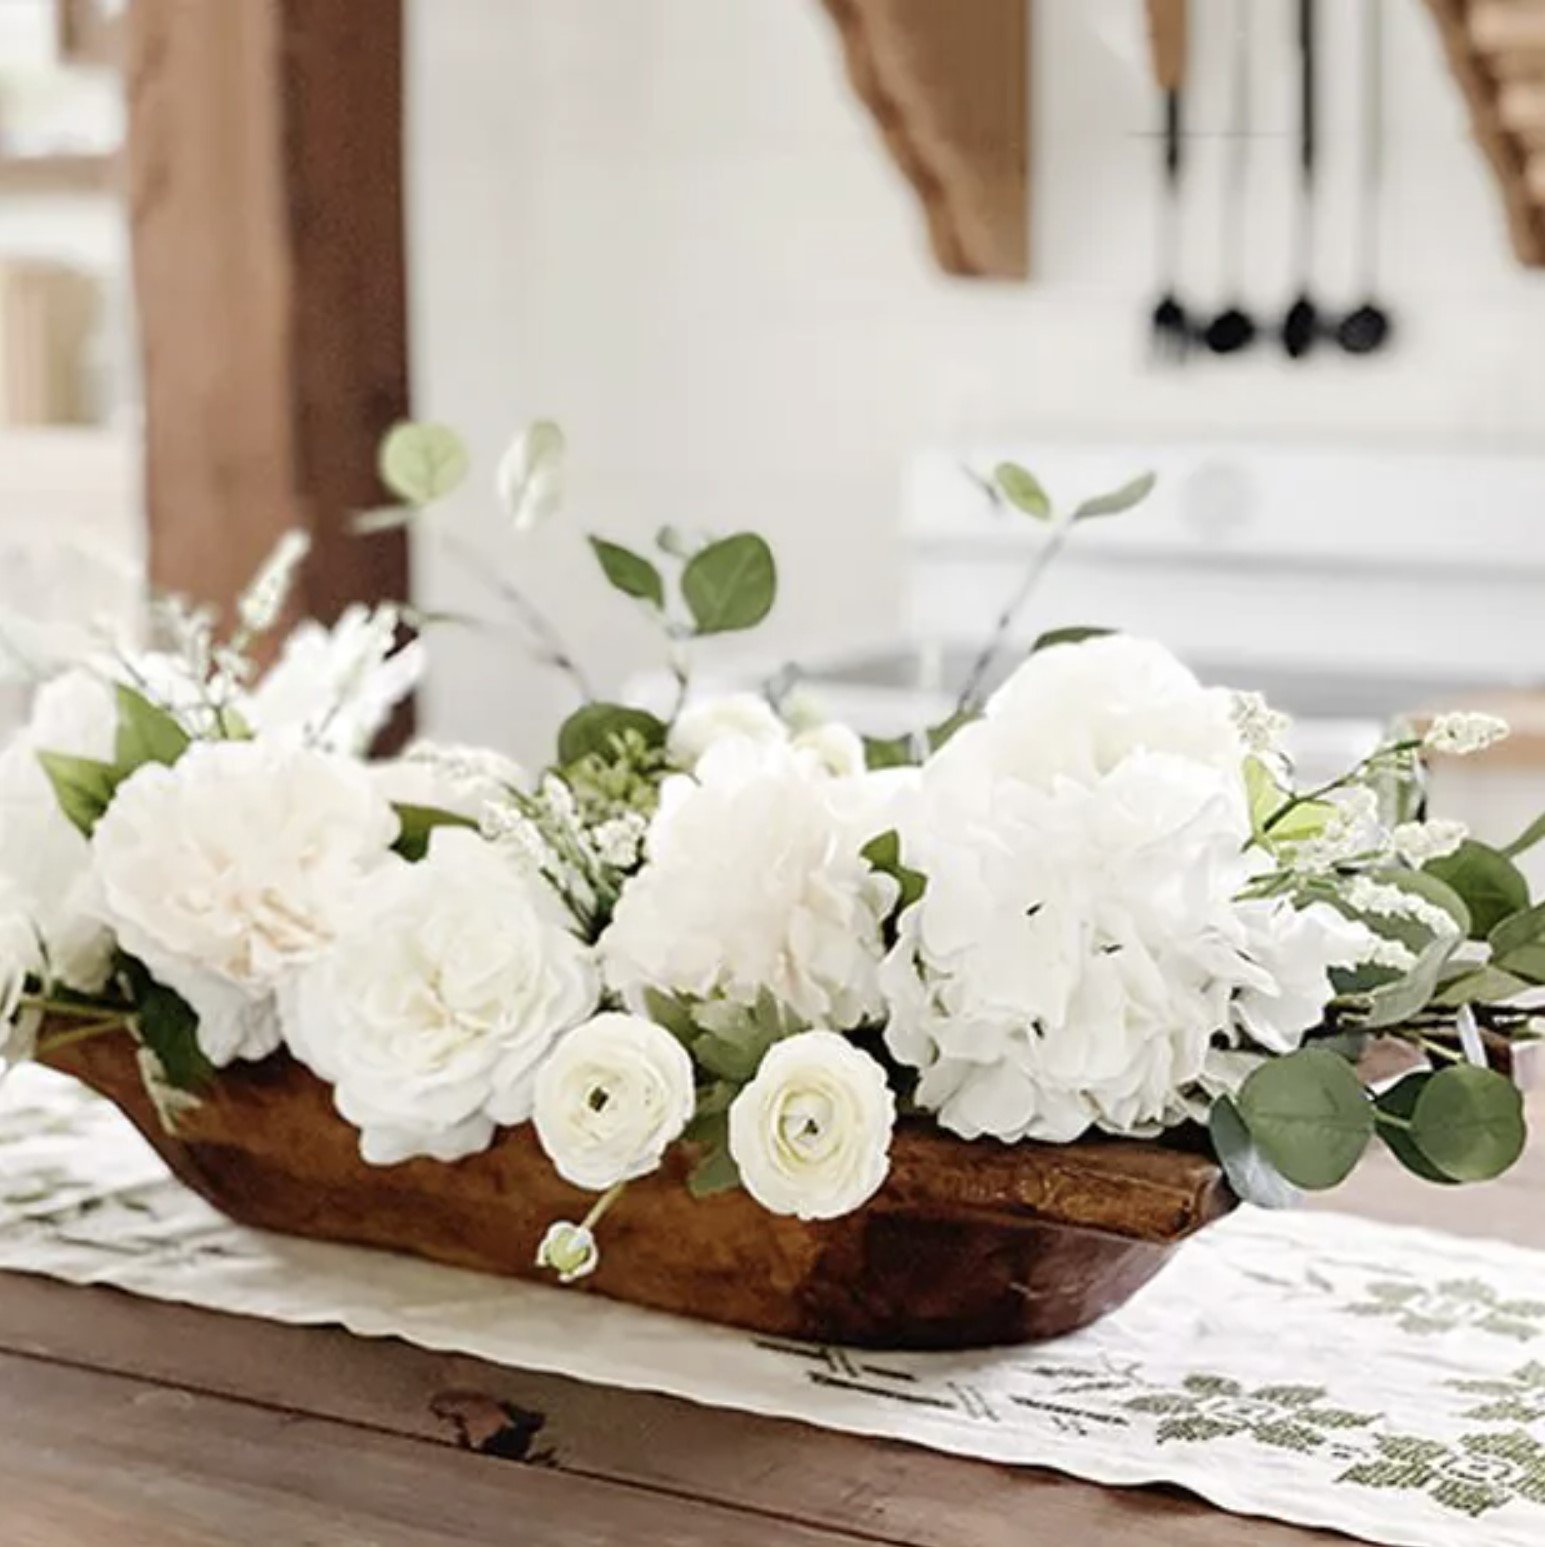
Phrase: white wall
(669,224)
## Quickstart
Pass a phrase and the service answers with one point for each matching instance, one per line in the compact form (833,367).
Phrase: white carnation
(811,1133)
(1077,711)
(229,871)
(448,984)
(736,716)
(754,880)
(610,1098)
(44,857)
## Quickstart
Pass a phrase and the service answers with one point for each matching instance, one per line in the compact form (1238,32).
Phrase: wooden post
(266,212)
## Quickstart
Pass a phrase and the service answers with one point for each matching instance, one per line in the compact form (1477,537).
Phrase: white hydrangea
(1077,711)
(230,871)
(755,881)
(45,859)
(449,982)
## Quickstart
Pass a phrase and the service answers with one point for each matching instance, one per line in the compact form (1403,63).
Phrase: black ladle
(1367,329)
(1233,329)
(1301,325)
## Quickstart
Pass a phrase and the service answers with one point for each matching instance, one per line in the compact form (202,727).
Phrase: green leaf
(595,729)
(1483,984)
(629,572)
(1527,839)
(1250,1173)
(1074,634)
(83,787)
(1469,1122)
(1022,489)
(888,752)
(1118,500)
(674,1014)
(146,733)
(1309,1116)
(715,1170)
(418,822)
(1490,884)
(421,463)
(731,584)
(1396,1002)
(1519,940)
(168,1026)
(1399,1102)
(884,855)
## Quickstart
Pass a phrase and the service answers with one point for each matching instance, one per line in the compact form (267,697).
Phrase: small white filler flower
(1418,842)
(1464,733)
(811,1133)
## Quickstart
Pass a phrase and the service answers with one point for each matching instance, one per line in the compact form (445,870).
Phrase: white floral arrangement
(1093,902)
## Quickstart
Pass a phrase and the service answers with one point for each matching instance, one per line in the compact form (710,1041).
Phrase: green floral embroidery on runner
(1210,1407)
(1481,1472)
(1429,1308)
(1516,1398)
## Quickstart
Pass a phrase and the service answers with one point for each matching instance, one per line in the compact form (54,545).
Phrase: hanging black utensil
(1170,327)
(1368,328)
(1234,328)
(1301,325)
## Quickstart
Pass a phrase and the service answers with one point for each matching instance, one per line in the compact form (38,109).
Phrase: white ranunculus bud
(530,476)
(739,716)
(569,1250)
(811,1133)
(613,1094)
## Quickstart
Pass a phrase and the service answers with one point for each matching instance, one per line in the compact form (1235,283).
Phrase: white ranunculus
(1061,969)
(755,881)
(1291,952)
(1076,711)
(736,716)
(336,688)
(230,871)
(42,854)
(448,984)
(610,1098)
(811,1133)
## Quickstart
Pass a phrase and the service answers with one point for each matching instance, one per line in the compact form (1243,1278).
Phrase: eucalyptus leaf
(168,1026)
(884,855)
(1512,939)
(1490,884)
(1469,1122)
(889,752)
(1479,984)
(1249,1172)
(1392,1111)
(1309,1116)
(1022,489)
(1397,1002)
(674,1014)
(629,572)
(1119,500)
(416,825)
(731,584)
(1527,839)
(596,728)
(421,463)
(1074,634)
(146,732)
(715,1171)
(83,787)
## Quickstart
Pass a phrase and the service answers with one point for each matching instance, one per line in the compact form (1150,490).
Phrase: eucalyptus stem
(1309,797)
(82,1033)
(1040,562)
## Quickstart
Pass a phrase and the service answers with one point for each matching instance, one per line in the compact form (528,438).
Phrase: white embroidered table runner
(1317,1369)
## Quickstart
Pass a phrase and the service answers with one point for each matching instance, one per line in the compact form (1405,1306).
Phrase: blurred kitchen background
(697,233)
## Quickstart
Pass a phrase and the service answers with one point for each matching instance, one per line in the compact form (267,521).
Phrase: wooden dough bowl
(966,1245)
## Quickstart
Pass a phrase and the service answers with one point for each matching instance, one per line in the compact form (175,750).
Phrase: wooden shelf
(57,174)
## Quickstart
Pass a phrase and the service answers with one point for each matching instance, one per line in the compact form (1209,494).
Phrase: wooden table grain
(129,1421)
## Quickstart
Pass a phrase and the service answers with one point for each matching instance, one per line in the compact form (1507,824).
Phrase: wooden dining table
(130,1421)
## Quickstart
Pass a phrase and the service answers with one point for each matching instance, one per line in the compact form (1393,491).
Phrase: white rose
(42,854)
(736,716)
(755,881)
(230,871)
(811,1133)
(1076,711)
(611,1097)
(448,984)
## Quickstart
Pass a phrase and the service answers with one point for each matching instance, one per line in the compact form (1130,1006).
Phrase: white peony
(448,984)
(231,870)
(754,880)
(1290,953)
(736,716)
(1062,968)
(1076,711)
(336,688)
(811,1133)
(610,1098)
(43,856)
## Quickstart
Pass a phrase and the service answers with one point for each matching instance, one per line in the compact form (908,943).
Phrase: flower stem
(601,1205)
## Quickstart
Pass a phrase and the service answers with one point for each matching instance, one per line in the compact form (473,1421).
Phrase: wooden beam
(1168,40)
(265,186)
(949,86)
